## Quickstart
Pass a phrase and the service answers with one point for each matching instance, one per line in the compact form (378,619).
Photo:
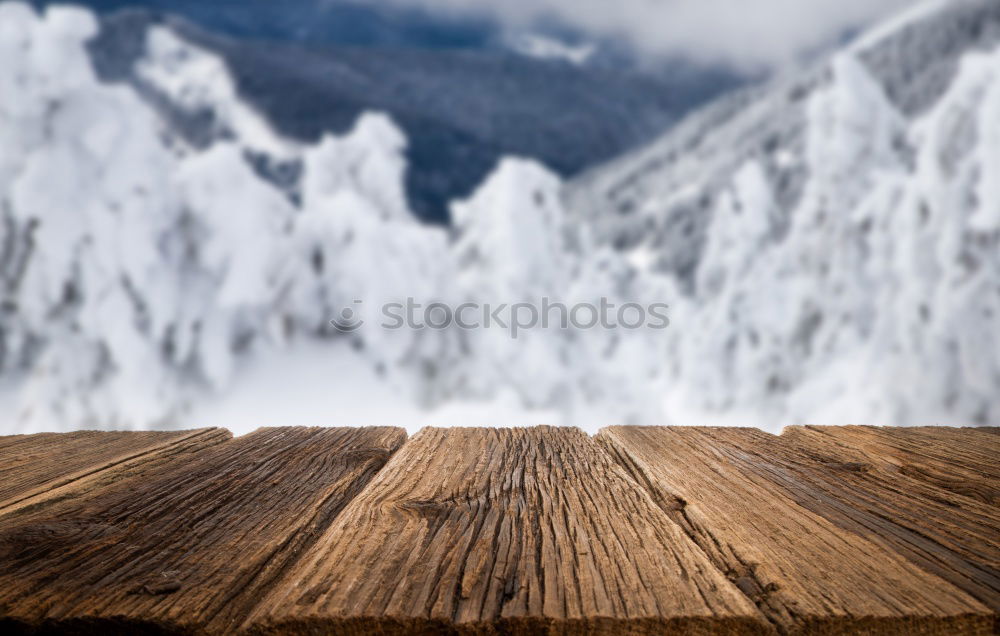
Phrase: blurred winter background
(191,190)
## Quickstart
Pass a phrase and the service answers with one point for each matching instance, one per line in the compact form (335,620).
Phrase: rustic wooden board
(930,494)
(35,468)
(193,546)
(505,531)
(743,504)
(820,530)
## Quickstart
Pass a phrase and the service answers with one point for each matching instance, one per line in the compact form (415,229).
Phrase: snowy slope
(836,235)
(152,281)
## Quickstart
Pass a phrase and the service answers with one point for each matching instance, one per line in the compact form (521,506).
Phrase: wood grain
(930,494)
(524,531)
(47,466)
(740,501)
(505,531)
(193,546)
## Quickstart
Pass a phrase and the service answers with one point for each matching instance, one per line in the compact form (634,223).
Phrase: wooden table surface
(502,531)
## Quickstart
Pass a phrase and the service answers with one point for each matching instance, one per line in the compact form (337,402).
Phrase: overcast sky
(747,33)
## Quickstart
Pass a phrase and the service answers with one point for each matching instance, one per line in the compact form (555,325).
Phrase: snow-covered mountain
(836,235)
(462,108)
(828,246)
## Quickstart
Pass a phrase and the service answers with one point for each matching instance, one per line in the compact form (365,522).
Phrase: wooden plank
(737,498)
(36,468)
(962,461)
(930,494)
(192,547)
(505,531)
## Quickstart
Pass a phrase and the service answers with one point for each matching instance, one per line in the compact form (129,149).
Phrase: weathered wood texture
(195,545)
(35,468)
(930,494)
(784,526)
(515,529)
(519,531)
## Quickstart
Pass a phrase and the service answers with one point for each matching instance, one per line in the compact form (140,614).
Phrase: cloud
(745,33)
